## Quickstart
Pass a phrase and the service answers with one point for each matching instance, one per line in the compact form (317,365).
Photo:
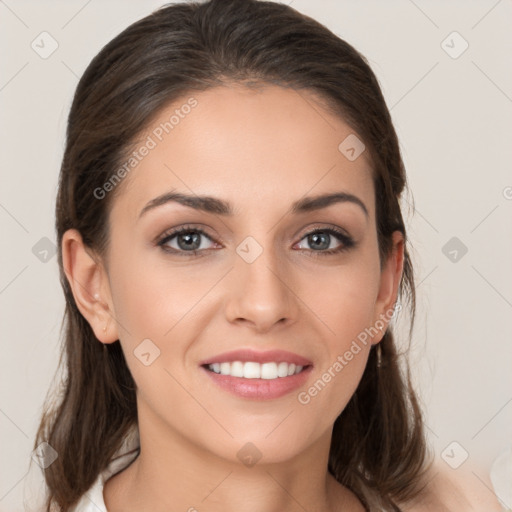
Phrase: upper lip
(247,354)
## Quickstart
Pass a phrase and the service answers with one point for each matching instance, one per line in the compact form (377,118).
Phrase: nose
(261,293)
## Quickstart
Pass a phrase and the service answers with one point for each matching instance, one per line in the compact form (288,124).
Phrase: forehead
(248,146)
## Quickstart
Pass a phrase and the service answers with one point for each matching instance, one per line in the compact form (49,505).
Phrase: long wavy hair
(378,447)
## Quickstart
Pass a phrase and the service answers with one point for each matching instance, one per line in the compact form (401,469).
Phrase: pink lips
(245,355)
(259,389)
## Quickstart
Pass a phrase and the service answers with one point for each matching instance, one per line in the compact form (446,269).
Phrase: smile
(254,370)
(256,375)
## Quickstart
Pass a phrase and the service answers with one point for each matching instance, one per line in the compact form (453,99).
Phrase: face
(287,287)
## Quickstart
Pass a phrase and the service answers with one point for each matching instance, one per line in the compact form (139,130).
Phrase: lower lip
(259,389)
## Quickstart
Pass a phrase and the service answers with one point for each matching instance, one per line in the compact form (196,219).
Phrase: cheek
(151,299)
(344,298)
(349,316)
(346,309)
(161,302)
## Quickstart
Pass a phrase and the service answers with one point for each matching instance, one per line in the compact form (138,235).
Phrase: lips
(257,375)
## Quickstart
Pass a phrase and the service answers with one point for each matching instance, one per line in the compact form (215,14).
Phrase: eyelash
(346,241)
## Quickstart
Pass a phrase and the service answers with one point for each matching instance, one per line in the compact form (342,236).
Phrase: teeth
(282,369)
(252,370)
(269,371)
(237,369)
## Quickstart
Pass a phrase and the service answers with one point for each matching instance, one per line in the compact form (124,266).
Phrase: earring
(379,355)
(106,327)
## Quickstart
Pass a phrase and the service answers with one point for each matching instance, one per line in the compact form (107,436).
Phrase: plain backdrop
(452,108)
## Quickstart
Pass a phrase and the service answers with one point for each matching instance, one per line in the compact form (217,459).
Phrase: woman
(232,253)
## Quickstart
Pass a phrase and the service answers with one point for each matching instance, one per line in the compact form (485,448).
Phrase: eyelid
(325,226)
(185,227)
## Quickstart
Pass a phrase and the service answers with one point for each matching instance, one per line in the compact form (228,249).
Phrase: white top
(92,500)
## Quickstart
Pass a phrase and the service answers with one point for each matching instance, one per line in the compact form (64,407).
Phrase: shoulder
(461,490)
(93,500)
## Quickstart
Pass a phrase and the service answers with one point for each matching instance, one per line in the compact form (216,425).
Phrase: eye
(320,239)
(188,240)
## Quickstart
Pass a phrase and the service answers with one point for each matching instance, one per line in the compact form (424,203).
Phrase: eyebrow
(217,206)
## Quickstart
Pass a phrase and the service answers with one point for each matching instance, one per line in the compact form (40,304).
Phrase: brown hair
(378,449)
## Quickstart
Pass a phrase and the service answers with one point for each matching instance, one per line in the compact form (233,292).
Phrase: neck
(172,473)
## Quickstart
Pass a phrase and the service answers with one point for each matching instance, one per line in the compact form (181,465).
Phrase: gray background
(453,117)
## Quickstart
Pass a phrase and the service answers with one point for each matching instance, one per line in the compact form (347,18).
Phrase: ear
(391,275)
(90,286)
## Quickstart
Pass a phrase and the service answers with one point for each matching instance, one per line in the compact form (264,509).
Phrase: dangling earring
(378,349)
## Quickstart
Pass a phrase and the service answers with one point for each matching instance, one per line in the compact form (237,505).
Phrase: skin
(261,150)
